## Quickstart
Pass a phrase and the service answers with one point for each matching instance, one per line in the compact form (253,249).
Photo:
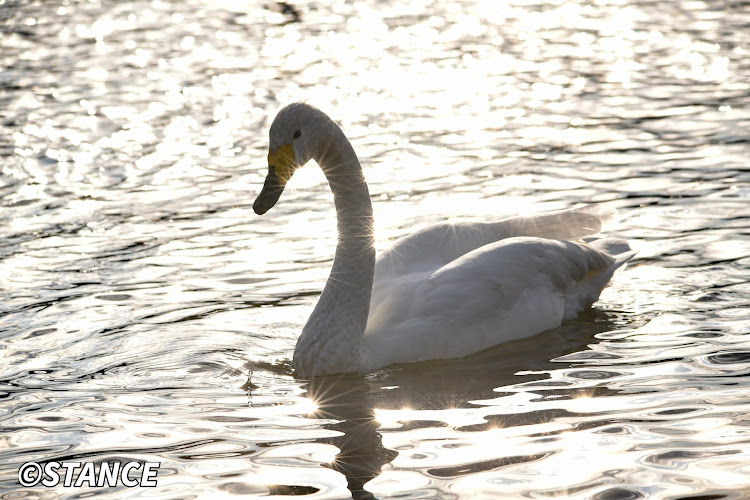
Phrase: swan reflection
(436,397)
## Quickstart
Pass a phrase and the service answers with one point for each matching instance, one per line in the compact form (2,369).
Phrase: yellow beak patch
(283,161)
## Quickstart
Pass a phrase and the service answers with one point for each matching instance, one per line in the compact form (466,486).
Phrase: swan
(445,291)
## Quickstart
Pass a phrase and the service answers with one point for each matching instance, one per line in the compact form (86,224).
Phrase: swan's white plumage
(503,291)
(445,291)
(442,243)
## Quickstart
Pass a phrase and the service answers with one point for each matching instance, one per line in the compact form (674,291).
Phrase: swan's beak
(270,193)
(281,166)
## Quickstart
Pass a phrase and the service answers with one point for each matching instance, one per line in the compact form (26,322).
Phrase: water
(147,314)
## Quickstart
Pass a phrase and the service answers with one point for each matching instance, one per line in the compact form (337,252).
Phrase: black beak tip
(258,207)
(270,193)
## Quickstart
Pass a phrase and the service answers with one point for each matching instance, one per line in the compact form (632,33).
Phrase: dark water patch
(245,281)
(245,451)
(464,469)
(115,297)
(230,419)
(703,335)
(680,459)
(728,358)
(614,429)
(291,490)
(593,374)
(677,411)
(709,497)
(508,421)
(588,355)
(618,493)
(123,453)
(39,333)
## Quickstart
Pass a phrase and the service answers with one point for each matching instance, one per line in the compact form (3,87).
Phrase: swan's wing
(569,224)
(435,246)
(508,290)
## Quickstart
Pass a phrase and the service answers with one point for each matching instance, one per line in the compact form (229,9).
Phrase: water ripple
(147,314)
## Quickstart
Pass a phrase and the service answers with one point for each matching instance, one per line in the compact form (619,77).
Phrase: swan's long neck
(331,341)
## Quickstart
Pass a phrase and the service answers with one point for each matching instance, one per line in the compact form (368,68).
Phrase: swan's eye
(297,133)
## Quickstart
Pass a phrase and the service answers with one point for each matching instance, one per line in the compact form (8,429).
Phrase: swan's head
(294,133)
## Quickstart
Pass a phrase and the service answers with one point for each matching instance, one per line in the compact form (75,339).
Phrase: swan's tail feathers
(605,212)
(619,249)
(587,291)
(570,224)
(616,248)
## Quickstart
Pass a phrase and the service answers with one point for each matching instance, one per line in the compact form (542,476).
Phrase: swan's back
(437,245)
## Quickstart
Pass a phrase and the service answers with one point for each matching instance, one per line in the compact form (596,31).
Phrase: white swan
(446,291)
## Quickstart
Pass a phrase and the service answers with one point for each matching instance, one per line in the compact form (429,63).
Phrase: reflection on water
(146,314)
(361,454)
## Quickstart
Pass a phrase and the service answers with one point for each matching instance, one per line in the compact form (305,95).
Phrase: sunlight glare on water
(148,314)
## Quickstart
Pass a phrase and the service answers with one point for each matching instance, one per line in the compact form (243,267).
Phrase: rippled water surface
(146,313)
